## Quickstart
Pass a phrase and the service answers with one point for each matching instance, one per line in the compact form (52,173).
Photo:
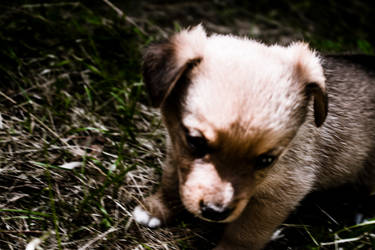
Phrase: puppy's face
(231,107)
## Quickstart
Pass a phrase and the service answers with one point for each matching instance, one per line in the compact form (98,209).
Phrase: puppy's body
(345,144)
(249,134)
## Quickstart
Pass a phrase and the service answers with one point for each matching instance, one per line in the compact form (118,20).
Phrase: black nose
(214,212)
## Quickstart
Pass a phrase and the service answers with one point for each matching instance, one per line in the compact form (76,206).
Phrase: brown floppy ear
(309,72)
(164,63)
(320,102)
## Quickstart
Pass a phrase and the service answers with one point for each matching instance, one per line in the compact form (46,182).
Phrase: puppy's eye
(197,145)
(264,160)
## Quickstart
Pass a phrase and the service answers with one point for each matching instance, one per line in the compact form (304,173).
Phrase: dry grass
(78,146)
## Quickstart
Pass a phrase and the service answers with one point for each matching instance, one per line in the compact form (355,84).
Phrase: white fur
(189,44)
(240,72)
(144,218)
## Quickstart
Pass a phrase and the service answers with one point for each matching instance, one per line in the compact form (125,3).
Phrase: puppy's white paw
(144,218)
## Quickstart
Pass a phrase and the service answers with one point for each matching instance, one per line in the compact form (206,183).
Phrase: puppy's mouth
(214,213)
(222,214)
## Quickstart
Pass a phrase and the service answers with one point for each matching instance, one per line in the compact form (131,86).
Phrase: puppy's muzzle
(214,212)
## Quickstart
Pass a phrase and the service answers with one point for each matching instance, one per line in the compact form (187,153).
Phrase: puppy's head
(231,107)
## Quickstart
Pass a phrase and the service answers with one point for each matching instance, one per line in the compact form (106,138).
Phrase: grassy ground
(80,147)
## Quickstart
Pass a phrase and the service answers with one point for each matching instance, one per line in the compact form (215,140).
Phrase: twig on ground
(21,231)
(341,241)
(99,237)
(121,14)
(44,5)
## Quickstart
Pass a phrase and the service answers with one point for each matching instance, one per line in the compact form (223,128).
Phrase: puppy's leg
(254,228)
(158,209)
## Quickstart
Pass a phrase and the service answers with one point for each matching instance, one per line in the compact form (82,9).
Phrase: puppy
(251,132)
